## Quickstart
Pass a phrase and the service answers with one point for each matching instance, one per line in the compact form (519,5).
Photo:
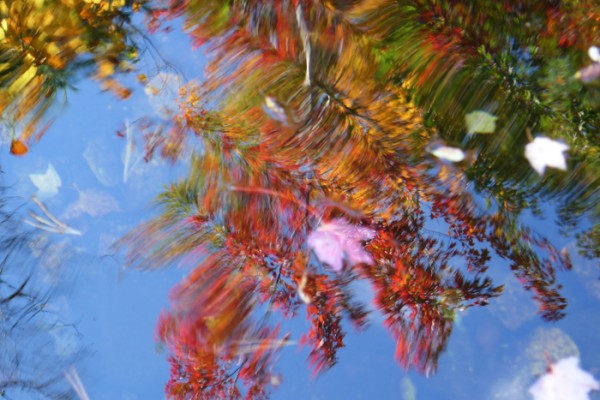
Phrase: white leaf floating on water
(480,122)
(565,381)
(594,53)
(92,202)
(337,240)
(543,152)
(50,223)
(47,183)
(448,153)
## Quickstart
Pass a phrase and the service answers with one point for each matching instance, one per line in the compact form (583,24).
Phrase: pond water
(87,325)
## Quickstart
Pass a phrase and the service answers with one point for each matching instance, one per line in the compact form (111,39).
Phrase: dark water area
(299,200)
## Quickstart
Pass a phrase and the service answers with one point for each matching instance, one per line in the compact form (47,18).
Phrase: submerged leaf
(92,202)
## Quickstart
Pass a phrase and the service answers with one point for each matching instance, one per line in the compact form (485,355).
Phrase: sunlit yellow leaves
(105,68)
(40,42)
(3,28)
(115,87)
(20,83)
(106,5)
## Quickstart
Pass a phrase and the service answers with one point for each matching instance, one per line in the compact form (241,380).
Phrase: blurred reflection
(429,127)
(332,112)
(44,45)
(37,345)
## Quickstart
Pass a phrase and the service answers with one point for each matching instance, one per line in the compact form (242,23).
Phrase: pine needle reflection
(75,381)
(50,223)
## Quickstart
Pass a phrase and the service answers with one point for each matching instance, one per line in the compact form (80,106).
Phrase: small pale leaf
(47,183)
(448,153)
(543,152)
(480,122)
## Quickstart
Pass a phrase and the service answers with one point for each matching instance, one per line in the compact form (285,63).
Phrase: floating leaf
(275,110)
(565,380)
(18,148)
(46,183)
(448,153)
(594,53)
(544,152)
(480,122)
(337,240)
(301,286)
(589,73)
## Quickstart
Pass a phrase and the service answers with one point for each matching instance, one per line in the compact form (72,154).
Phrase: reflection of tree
(315,122)
(43,45)
(322,110)
(29,364)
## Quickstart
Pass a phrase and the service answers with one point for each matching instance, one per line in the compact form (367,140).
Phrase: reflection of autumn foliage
(44,43)
(212,339)
(302,125)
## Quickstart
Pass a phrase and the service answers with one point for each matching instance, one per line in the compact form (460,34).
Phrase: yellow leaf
(23,80)
(105,68)
(52,49)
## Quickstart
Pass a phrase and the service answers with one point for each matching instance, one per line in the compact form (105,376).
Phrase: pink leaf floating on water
(337,240)
(565,380)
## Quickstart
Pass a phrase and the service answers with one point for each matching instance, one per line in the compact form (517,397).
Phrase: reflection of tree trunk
(18,292)
(28,366)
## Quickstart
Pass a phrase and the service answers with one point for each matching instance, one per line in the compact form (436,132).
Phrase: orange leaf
(18,148)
